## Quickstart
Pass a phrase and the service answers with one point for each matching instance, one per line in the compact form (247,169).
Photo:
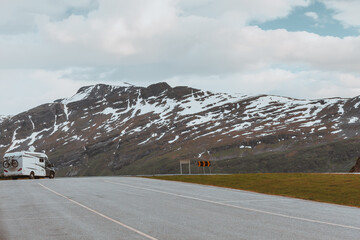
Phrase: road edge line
(100,214)
(239,207)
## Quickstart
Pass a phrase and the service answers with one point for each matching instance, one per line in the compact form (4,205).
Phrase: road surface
(138,208)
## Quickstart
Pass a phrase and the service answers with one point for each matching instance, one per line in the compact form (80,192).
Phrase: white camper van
(31,164)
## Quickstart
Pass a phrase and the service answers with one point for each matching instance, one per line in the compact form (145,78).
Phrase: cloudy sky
(298,48)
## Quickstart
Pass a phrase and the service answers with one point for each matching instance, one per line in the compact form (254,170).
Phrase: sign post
(204,164)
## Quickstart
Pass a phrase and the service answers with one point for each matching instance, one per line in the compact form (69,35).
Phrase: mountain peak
(91,92)
(155,89)
(84,89)
(161,86)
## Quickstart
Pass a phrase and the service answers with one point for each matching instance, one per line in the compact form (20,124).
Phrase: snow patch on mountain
(79,96)
(353,120)
(173,140)
(3,118)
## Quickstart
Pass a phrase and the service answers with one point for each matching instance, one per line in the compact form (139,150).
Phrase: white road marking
(239,207)
(100,214)
(192,194)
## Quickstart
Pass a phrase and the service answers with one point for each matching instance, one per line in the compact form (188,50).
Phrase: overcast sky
(297,48)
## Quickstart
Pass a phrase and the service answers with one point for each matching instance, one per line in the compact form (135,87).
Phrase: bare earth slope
(106,129)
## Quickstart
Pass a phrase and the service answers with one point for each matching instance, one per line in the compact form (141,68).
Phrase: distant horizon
(127,84)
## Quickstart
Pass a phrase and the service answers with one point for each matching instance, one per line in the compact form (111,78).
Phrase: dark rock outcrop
(356,167)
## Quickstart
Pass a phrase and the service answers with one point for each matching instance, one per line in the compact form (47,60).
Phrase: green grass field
(341,189)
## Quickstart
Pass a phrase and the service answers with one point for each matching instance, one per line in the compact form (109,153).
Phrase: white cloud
(194,42)
(115,27)
(302,85)
(350,81)
(312,15)
(242,11)
(23,89)
(138,31)
(19,16)
(347,11)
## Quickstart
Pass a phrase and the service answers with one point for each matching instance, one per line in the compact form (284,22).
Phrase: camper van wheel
(52,175)
(32,175)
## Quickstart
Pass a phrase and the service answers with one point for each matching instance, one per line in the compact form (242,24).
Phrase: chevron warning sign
(204,163)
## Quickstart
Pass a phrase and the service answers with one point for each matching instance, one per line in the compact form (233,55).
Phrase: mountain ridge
(119,127)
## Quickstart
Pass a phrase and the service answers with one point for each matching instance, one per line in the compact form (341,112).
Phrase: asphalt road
(137,208)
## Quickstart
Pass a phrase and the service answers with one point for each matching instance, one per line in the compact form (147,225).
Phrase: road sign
(184,162)
(204,163)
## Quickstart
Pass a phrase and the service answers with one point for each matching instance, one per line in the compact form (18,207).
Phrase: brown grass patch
(341,189)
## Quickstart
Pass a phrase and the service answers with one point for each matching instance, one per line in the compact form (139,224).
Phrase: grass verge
(341,189)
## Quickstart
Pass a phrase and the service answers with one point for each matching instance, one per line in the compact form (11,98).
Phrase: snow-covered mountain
(106,129)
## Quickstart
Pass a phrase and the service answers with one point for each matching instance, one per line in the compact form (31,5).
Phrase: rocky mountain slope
(106,129)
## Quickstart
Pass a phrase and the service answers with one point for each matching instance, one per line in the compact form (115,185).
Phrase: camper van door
(34,164)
